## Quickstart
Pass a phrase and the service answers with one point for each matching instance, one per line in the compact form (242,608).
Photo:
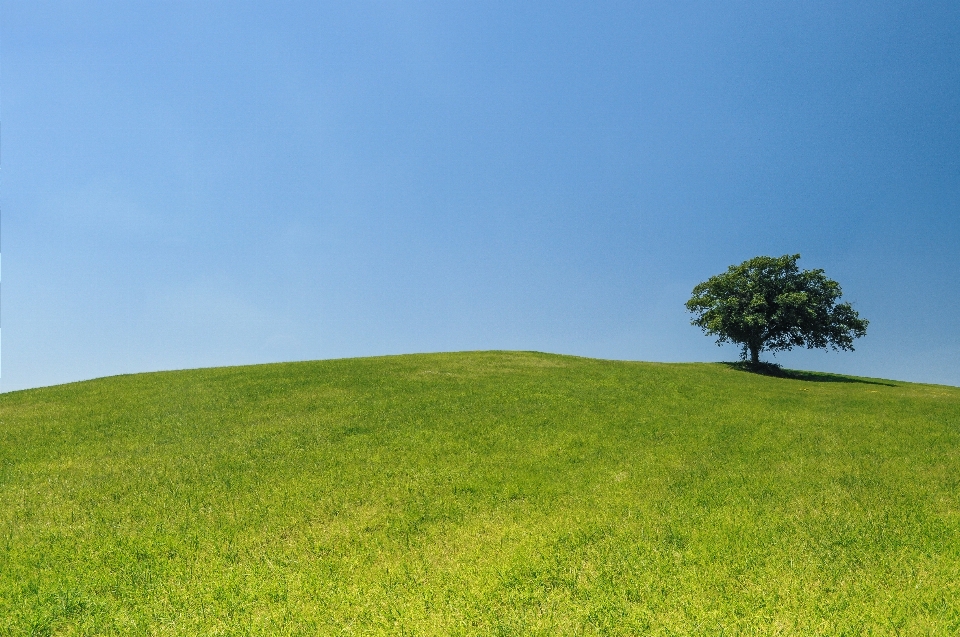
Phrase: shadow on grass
(772,369)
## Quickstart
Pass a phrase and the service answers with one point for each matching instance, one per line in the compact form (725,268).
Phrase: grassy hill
(492,493)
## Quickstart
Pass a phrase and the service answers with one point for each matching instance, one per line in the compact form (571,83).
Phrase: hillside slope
(498,493)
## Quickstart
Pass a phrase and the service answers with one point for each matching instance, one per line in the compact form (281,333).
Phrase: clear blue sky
(194,184)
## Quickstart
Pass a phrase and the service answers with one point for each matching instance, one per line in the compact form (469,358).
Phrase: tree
(768,303)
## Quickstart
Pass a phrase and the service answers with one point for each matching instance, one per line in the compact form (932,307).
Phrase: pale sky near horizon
(191,184)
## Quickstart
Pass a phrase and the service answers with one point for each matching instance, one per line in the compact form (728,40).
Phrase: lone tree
(768,303)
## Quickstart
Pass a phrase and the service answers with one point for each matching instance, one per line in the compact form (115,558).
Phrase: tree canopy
(768,303)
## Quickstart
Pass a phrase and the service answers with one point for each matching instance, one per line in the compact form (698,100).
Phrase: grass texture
(490,493)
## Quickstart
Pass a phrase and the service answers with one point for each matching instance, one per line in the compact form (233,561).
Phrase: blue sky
(200,183)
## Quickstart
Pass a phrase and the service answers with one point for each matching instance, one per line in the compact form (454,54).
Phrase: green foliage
(768,303)
(484,493)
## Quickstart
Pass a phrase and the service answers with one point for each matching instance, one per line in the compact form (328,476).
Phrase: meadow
(483,493)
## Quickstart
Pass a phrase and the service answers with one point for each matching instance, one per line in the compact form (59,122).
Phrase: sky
(195,184)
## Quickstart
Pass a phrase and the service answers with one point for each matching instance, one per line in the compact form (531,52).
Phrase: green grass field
(494,493)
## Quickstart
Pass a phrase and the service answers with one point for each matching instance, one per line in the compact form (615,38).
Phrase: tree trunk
(754,354)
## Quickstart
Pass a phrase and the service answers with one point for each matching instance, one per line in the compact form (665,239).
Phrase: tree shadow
(772,369)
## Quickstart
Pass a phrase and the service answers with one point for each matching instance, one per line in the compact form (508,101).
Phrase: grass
(491,493)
